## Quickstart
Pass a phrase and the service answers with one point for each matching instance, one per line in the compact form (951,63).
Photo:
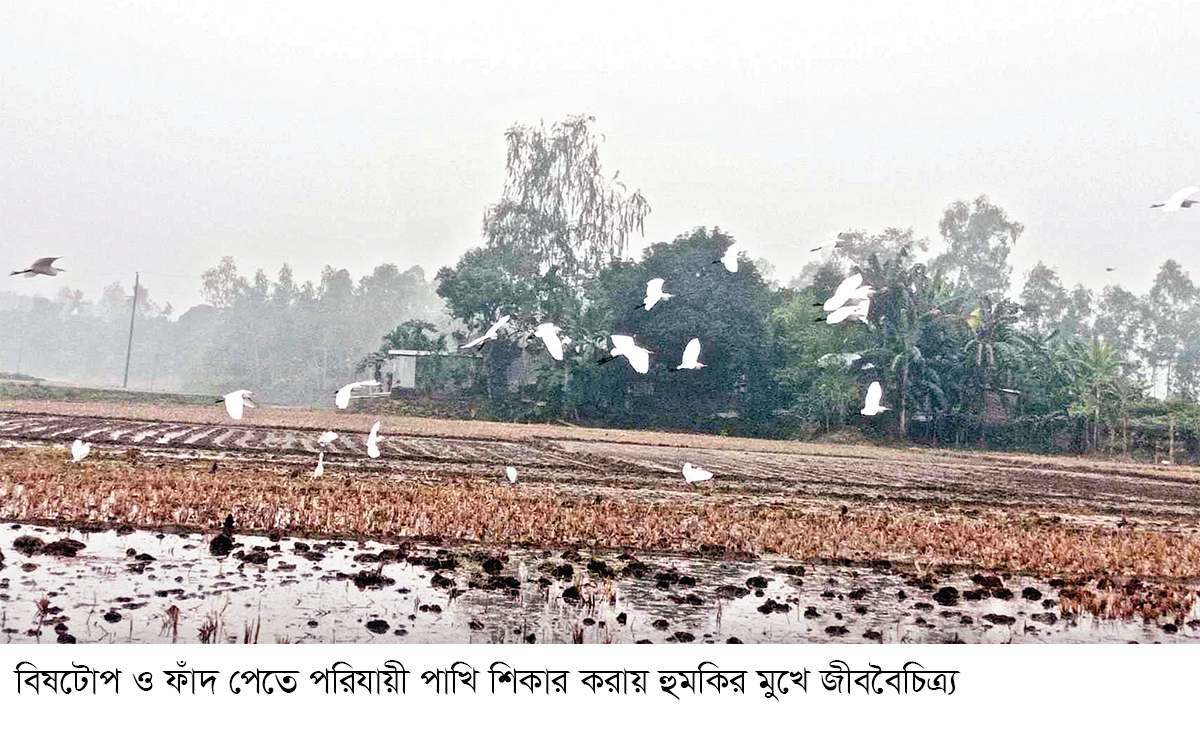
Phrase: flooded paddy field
(173,530)
(140,586)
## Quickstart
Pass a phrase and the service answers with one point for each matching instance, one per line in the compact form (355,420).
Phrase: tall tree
(558,208)
(1043,300)
(980,237)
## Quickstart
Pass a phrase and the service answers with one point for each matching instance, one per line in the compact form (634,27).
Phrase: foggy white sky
(160,136)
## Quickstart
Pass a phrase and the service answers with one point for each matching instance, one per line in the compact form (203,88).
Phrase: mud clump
(367,579)
(1031,594)
(660,624)
(601,570)
(987,581)
(999,619)
(221,545)
(65,548)
(836,630)
(728,592)
(378,626)
(947,596)
(28,545)
(757,582)
(492,566)
(571,595)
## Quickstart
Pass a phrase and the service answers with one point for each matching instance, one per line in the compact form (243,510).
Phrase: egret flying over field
(235,401)
(512,474)
(548,331)
(639,357)
(41,266)
(691,356)
(874,395)
(730,259)
(372,442)
(320,466)
(327,438)
(342,396)
(654,294)
(489,335)
(1178,200)
(695,474)
(79,450)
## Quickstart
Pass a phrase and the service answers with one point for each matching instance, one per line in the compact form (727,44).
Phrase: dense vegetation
(943,338)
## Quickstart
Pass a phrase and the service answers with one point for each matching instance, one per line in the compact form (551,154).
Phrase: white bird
(874,395)
(654,293)
(639,357)
(320,466)
(327,438)
(730,259)
(850,312)
(843,292)
(235,401)
(548,331)
(79,450)
(512,474)
(691,356)
(372,442)
(695,474)
(342,397)
(489,335)
(1178,200)
(41,266)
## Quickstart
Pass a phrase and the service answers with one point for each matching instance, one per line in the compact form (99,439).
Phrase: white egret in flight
(639,357)
(41,266)
(235,401)
(691,356)
(654,294)
(874,395)
(489,335)
(342,396)
(548,331)
(1178,200)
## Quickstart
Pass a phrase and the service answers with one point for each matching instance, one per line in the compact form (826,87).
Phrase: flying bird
(79,450)
(1178,200)
(853,312)
(512,474)
(695,474)
(327,438)
(654,294)
(235,401)
(639,357)
(548,331)
(489,335)
(320,466)
(372,439)
(41,266)
(730,259)
(844,291)
(342,396)
(874,395)
(691,356)
(1110,268)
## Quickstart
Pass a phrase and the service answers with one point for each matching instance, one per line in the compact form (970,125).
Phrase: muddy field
(599,540)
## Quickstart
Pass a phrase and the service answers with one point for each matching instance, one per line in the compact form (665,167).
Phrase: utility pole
(132,311)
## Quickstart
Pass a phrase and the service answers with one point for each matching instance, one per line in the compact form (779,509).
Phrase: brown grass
(323,419)
(38,486)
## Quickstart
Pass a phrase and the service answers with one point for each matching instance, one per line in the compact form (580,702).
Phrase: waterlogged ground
(599,540)
(136,586)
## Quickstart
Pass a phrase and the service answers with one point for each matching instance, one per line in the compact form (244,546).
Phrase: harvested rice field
(181,526)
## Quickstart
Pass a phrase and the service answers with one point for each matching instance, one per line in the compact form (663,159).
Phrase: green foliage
(558,208)
(980,237)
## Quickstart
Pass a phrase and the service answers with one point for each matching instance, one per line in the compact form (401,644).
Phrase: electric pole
(132,311)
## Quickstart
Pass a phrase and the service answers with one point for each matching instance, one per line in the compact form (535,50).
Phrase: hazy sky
(160,136)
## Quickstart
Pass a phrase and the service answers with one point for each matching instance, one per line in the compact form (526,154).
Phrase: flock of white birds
(851,302)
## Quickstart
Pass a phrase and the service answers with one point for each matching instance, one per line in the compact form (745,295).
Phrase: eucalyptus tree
(979,237)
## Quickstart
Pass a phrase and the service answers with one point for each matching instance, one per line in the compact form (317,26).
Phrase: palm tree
(912,311)
(1094,370)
